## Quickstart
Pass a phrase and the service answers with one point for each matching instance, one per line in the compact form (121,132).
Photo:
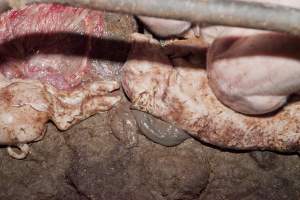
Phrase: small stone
(159,131)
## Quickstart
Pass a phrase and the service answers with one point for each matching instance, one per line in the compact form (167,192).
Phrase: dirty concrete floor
(89,162)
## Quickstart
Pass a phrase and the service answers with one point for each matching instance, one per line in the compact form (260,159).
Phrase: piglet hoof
(23,151)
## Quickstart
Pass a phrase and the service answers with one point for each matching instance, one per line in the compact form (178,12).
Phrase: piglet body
(178,92)
(254,71)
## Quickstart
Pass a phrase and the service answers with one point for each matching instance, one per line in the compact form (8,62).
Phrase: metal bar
(219,12)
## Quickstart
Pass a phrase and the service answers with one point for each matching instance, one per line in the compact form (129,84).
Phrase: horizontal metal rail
(218,12)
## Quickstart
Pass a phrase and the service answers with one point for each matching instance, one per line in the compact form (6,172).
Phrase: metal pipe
(218,12)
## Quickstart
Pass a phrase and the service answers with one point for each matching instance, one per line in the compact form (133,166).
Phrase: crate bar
(218,12)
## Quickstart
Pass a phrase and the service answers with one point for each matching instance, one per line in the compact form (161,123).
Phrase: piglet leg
(27,105)
(70,107)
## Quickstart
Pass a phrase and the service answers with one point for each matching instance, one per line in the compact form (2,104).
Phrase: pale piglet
(254,71)
(180,95)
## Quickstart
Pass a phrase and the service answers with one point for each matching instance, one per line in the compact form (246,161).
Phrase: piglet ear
(142,46)
(165,28)
(183,48)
